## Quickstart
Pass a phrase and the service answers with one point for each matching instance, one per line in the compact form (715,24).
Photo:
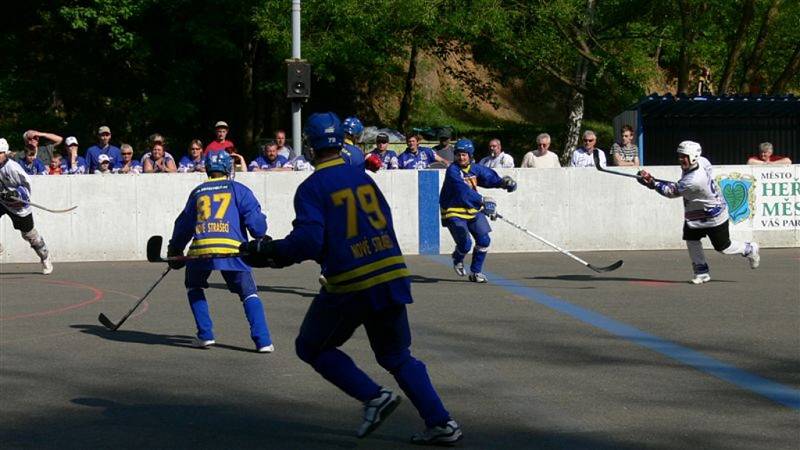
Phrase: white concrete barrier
(579,209)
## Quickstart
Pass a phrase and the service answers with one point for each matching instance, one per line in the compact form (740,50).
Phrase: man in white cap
(71,163)
(103,147)
(15,193)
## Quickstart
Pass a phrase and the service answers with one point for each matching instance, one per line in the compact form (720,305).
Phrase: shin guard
(199,305)
(254,311)
(37,243)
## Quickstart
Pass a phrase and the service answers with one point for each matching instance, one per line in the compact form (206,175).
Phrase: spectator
(193,162)
(445,149)
(156,138)
(584,156)
(542,157)
(239,164)
(72,164)
(270,160)
(44,151)
(55,164)
(158,161)
(104,165)
(299,164)
(32,165)
(626,154)
(221,141)
(103,147)
(128,164)
(416,157)
(497,159)
(765,156)
(388,157)
(284,150)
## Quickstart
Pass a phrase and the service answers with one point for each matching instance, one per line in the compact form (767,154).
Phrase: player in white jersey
(705,211)
(15,192)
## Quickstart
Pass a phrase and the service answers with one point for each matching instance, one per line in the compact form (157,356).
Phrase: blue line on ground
(772,390)
(428,188)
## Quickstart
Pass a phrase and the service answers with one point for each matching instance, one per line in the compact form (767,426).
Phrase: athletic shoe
(700,278)
(377,410)
(458,266)
(203,343)
(448,434)
(47,266)
(478,277)
(753,256)
(322,280)
(266,349)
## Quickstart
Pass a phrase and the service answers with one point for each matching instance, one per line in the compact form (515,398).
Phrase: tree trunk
(748,11)
(250,50)
(575,114)
(408,90)
(684,57)
(788,73)
(760,45)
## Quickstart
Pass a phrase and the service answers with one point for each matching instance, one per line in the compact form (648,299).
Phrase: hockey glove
(490,208)
(645,179)
(262,253)
(15,198)
(509,184)
(175,265)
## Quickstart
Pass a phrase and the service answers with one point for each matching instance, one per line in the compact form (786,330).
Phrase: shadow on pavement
(136,337)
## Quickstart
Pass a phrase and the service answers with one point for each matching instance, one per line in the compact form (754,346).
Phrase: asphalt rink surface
(547,355)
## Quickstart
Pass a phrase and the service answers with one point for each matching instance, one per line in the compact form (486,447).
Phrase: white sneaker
(754,257)
(478,277)
(47,266)
(700,278)
(458,266)
(203,343)
(266,349)
(448,434)
(377,410)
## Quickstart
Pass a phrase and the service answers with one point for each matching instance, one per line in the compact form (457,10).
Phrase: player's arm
(471,198)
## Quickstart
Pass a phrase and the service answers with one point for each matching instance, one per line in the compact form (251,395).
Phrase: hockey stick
(154,253)
(615,172)
(112,326)
(597,269)
(56,211)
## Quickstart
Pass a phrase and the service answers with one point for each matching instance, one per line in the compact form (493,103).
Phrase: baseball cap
(72,140)
(221,124)
(104,129)
(382,138)
(103,158)
(3,145)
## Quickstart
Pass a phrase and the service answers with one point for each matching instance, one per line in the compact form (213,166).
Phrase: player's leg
(480,229)
(390,338)
(196,281)
(458,229)
(31,235)
(721,240)
(700,269)
(243,285)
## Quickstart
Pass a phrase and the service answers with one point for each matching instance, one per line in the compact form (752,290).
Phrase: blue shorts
(241,283)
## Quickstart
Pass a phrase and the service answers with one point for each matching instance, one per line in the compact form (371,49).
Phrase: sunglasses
(127,153)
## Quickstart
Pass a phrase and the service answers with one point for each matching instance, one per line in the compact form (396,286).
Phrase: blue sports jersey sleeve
(487,178)
(308,228)
(254,220)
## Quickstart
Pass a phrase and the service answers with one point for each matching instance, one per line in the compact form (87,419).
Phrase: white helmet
(691,149)
(3,145)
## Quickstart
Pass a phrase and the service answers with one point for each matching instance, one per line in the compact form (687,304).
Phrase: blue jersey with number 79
(344,223)
(217,217)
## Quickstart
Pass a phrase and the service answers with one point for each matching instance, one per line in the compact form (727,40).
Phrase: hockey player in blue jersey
(464,210)
(351,153)
(344,223)
(217,217)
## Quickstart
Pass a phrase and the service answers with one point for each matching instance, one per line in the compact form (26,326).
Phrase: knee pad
(482,243)
(394,361)
(37,242)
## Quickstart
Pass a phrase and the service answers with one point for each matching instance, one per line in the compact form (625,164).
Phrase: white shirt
(502,161)
(582,158)
(547,161)
(703,206)
(12,175)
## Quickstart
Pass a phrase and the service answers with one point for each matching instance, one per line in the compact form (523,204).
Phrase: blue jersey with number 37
(217,217)
(344,223)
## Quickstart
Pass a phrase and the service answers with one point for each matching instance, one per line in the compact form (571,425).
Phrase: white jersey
(13,176)
(703,206)
(501,161)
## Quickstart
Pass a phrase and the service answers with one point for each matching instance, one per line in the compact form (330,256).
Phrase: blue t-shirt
(34,168)
(68,169)
(423,158)
(388,159)
(188,164)
(263,163)
(114,156)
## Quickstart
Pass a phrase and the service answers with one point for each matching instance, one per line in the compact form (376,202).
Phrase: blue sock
(259,331)
(199,305)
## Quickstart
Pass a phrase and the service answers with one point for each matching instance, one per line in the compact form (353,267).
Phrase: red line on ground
(98,295)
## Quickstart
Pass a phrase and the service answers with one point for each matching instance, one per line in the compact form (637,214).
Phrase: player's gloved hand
(260,252)
(509,184)
(175,265)
(14,198)
(373,162)
(490,208)
(645,179)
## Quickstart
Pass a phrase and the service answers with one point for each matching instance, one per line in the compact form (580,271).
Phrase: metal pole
(297,105)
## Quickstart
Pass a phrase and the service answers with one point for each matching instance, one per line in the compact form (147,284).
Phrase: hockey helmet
(353,126)
(324,130)
(691,149)
(219,161)
(464,146)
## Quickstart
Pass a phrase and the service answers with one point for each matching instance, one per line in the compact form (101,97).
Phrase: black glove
(262,253)
(509,184)
(645,179)
(175,264)
(7,195)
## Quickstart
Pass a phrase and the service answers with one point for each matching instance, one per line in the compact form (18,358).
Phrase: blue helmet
(353,126)
(464,146)
(324,130)
(219,161)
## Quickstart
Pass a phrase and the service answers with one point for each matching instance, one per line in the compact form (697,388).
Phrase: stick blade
(154,249)
(106,322)
(610,268)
